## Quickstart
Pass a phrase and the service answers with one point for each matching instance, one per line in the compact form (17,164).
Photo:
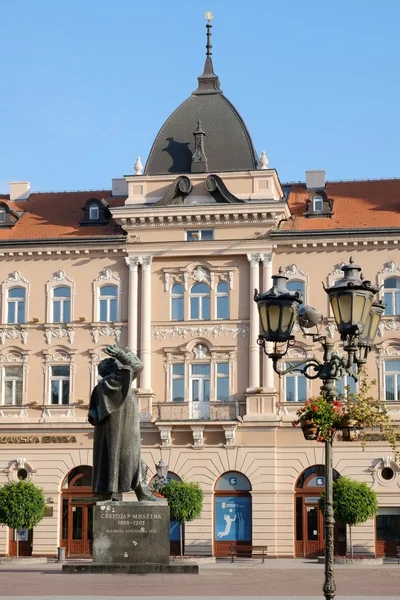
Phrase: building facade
(166,262)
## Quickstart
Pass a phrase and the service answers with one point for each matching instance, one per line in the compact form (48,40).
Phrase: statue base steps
(127,569)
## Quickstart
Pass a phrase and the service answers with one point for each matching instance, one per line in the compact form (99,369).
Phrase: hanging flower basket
(310,430)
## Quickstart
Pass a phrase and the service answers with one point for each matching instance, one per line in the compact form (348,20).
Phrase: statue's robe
(114,412)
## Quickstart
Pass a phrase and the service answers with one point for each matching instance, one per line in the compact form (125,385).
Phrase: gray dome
(226,143)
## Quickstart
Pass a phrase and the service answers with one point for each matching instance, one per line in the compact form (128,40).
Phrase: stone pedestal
(131,537)
(131,533)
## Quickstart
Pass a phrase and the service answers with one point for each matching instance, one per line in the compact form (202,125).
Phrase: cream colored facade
(251,432)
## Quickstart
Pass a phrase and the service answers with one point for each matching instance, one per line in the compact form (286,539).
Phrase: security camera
(309,317)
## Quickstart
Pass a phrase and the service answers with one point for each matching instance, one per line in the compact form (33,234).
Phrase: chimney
(119,187)
(315,180)
(20,190)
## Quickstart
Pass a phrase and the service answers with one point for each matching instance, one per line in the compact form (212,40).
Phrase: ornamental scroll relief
(162,333)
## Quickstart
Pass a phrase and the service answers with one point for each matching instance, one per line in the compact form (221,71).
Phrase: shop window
(222,297)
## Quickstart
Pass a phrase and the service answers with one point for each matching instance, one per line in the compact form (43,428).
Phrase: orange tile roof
(357,205)
(56,215)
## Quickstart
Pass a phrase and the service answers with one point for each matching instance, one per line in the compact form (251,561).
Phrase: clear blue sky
(87,84)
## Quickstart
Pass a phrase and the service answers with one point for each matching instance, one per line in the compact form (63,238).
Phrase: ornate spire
(199,158)
(208,80)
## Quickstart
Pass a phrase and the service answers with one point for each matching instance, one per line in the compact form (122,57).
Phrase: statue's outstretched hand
(112,350)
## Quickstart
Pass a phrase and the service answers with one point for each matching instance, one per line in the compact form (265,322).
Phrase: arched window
(200,302)
(61,304)
(232,514)
(2,215)
(295,285)
(222,296)
(177,295)
(16,305)
(108,298)
(392,295)
(94,212)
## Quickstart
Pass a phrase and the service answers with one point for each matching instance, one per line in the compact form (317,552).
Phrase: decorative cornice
(12,333)
(391,268)
(15,277)
(108,275)
(181,332)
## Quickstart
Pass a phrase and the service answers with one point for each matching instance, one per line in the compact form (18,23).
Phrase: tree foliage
(353,502)
(185,500)
(22,505)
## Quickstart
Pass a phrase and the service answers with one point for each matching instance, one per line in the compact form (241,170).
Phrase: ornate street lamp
(357,318)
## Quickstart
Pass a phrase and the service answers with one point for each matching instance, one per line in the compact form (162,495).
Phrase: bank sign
(233,519)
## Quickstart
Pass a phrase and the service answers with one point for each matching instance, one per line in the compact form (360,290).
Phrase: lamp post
(357,318)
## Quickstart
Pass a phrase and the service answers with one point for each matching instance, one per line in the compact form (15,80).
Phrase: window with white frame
(200,302)
(59,384)
(222,385)
(94,212)
(318,204)
(177,302)
(391,288)
(200,374)
(178,382)
(2,215)
(108,303)
(16,305)
(295,385)
(222,296)
(61,304)
(295,285)
(194,235)
(12,385)
(345,384)
(392,379)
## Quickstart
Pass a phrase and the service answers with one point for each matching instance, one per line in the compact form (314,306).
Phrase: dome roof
(225,143)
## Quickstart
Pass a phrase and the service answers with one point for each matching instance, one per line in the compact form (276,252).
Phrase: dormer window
(93,212)
(318,203)
(2,215)
(8,216)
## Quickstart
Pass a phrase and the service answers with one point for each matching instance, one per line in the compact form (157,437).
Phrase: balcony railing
(184,411)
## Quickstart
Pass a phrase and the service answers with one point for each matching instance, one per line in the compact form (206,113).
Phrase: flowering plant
(324,415)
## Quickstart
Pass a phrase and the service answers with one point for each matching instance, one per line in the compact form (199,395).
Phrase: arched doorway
(309,521)
(232,514)
(77,502)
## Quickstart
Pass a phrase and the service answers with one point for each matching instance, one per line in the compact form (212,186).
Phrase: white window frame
(201,385)
(106,277)
(392,292)
(318,199)
(296,375)
(347,380)
(198,235)
(396,375)
(200,296)
(177,377)
(95,206)
(96,356)
(14,357)
(15,280)
(14,380)
(55,358)
(177,296)
(16,302)
(222,376)
(59,279)
(222,295)
(3,215)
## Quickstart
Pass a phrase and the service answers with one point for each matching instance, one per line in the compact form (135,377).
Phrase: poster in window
(233,519)
(22,535)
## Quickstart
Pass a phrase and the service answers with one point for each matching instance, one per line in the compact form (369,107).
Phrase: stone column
(145,342)
(133,264)
(254,349)
(268,371)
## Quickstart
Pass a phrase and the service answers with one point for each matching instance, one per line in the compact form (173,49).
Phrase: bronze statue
(114,413)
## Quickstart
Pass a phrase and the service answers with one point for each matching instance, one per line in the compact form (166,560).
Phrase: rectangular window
(222,382)
(195,308)
(295,386)
(222,307)
(59,385)
(61,305)
(178,382)
(12,385)
(392,379)
(194,235)
(16,305)
(177,309)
